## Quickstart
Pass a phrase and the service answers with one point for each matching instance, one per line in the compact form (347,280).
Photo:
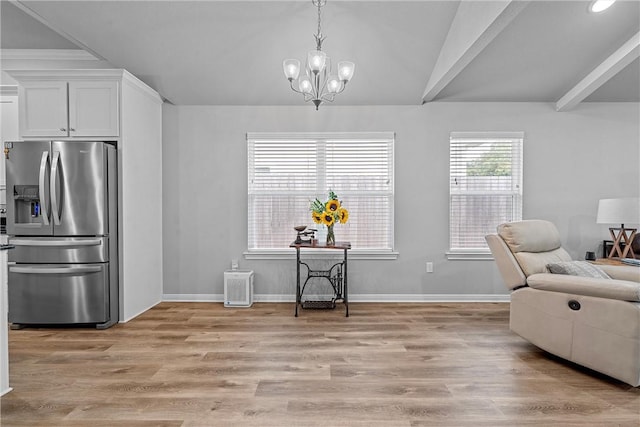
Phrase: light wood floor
(200,364)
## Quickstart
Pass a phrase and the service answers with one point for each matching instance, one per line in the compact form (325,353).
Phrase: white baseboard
(408,298)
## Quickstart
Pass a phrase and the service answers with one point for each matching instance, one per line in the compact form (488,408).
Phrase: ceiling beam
(611,66)
(474,26)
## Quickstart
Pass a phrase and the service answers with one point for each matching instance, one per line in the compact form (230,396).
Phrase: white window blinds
(485,189)
(287,171)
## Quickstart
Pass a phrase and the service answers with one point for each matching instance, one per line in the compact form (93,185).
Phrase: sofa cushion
(622,272)
(536,262)
(577,268)
(533,235)
(587,286)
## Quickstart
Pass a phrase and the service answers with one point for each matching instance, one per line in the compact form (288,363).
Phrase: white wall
(140,191)
(571,160)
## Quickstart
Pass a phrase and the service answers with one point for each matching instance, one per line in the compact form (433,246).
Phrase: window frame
(355,253)
(484,253)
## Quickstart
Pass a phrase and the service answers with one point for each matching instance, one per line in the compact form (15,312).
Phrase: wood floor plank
(387,365)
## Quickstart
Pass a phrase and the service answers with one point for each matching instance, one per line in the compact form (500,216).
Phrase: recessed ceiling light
(600,5)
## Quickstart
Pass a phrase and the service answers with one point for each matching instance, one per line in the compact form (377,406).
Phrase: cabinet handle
(72,129)
(63,129)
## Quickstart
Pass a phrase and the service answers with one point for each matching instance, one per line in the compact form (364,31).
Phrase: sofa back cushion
(532,235)
(534,243)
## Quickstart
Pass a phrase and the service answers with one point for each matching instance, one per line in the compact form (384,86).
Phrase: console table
(336,275)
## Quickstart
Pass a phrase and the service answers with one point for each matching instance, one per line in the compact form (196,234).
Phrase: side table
(608,261)
(336,275)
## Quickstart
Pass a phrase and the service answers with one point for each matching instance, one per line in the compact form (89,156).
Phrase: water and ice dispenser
(27,204)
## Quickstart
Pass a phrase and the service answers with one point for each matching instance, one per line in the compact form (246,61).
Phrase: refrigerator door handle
(56,243)
(55,174)
(54,270)
(44,203)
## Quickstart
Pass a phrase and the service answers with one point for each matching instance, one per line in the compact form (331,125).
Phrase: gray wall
(571,159)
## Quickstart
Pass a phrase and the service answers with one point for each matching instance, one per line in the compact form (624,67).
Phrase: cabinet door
(43,109)
(93,108)
(8,131)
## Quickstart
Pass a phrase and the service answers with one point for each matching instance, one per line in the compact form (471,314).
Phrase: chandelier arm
(342,87)
(293,88)
(328,97)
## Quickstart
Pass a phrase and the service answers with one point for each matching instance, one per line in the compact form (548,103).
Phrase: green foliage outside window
(495,162)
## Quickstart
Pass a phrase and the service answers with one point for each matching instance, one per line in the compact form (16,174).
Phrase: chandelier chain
(319,38)
(319,21)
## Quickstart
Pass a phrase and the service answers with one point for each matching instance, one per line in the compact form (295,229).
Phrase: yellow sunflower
(317,217)
(328,219)
(343,215)
(332,205)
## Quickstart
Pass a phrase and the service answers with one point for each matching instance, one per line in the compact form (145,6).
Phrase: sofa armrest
(588,286)
(622,272)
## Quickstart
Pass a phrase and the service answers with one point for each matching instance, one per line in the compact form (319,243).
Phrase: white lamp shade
(305,84)
(291,68)
(333,84)
(345,70)
(600,5)
(316,60)
(619,211)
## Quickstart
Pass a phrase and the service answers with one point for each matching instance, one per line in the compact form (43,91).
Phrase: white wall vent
(238,288)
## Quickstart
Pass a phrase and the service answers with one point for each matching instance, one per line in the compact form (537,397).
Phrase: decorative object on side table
(301,233)
(620,211)
(328,214)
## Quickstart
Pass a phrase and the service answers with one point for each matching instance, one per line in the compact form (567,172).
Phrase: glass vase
(331,238)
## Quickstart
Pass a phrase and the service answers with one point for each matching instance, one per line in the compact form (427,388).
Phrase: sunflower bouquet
(329,213)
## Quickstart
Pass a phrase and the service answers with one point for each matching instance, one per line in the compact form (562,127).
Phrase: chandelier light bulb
(291,68)
(316,61)
(305,85)
(333,85)
(345,70)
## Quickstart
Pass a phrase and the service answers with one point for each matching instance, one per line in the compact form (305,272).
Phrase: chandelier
(317,84)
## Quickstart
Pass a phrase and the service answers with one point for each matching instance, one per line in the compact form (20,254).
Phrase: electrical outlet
(429,267)
(234,264)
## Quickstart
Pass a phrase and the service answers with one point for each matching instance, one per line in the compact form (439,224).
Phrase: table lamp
(620,211)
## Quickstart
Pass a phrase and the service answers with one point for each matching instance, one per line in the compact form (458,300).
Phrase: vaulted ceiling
(406,52)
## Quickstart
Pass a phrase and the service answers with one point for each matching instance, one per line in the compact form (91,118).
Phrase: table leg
(297,280)
(346,292)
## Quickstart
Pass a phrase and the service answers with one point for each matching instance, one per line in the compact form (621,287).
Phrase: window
(287,171)
(485,188)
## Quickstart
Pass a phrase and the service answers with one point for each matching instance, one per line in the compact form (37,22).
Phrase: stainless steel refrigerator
(62,218)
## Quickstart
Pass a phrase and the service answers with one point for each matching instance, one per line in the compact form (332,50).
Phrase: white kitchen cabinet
(75,108)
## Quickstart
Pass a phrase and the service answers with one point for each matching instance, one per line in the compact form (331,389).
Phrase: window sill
(290,253)
(469,255)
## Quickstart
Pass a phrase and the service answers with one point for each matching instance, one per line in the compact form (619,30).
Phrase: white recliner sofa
(594,322)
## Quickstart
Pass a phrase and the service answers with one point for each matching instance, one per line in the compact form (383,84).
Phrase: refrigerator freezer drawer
(58,294)
(59,249)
